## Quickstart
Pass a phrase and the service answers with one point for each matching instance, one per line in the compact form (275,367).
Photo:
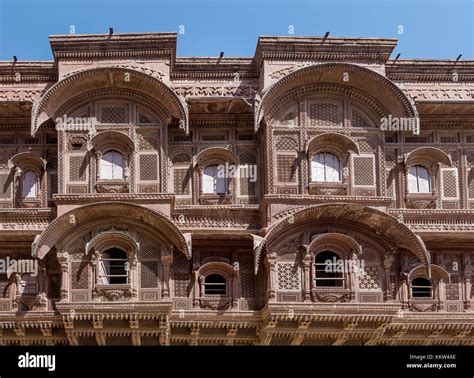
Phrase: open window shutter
(317,168)
(332,168)
(423,180)
(106,170)
(103,279)
(208,180)
(117,166)
(29,189)
(220,185)
(412,181)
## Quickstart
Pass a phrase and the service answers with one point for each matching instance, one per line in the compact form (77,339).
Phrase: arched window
(111,166)
(329,270)
(214,180)
(419,180)
(325,167)
(113,267)
(421,288)
(215,284)
(29,188)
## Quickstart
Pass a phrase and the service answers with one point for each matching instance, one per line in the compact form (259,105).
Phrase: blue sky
(431,28)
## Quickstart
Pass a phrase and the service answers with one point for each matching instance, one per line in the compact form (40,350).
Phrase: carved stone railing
(431,220)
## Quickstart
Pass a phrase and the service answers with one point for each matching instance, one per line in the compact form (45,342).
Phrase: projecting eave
(320,48)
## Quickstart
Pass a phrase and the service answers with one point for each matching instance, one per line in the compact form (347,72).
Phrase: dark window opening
(421,288)
(215,284)
(329,270)
(113,267)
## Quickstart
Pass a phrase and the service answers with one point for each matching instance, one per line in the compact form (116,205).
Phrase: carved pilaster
(272,276)
(166,260)
(63,258)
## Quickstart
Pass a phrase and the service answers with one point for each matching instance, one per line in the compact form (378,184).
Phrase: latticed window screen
(181,282)
(390,183)
(248,285)
(286,168)
(289,119)
(288,277)
(369,279)
(142,118)
(149,252)
(452,290)
(79,275)
(77,168)
(325,114)
(149,141)
(113,114)
(470,182)
(358,121)
(148,167)
(5,186)
(149,274)
(286,144)
(247,186)
(450,188)
(364,171)
(181,181)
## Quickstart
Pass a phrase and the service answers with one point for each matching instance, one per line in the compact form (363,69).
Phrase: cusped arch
(27,160)
(336,240)
(70,221)
(429,156)
(368,81)
(437,272)
(84,81)
(379,222)
(213,153)
(218,267)
(340,141)
(111,139)
(113,239)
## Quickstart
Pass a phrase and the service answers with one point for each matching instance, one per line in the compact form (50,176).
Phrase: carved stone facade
(236,201)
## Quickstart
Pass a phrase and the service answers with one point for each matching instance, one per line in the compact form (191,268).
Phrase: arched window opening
(419,180)
(214,180)
(325,167)
(113,267)
(29,185)
(329,270)
(215,284)
(112,166)
(421,288)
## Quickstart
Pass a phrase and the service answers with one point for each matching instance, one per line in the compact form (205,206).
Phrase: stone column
(196,288)
(306,262)
(63,258)
(166,260)
(466,274)
(272,277)
(387,264)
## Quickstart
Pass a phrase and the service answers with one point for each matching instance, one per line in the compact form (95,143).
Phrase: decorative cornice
(417,70)
(320,48)
(114,46)
(234,69)
(27,72)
